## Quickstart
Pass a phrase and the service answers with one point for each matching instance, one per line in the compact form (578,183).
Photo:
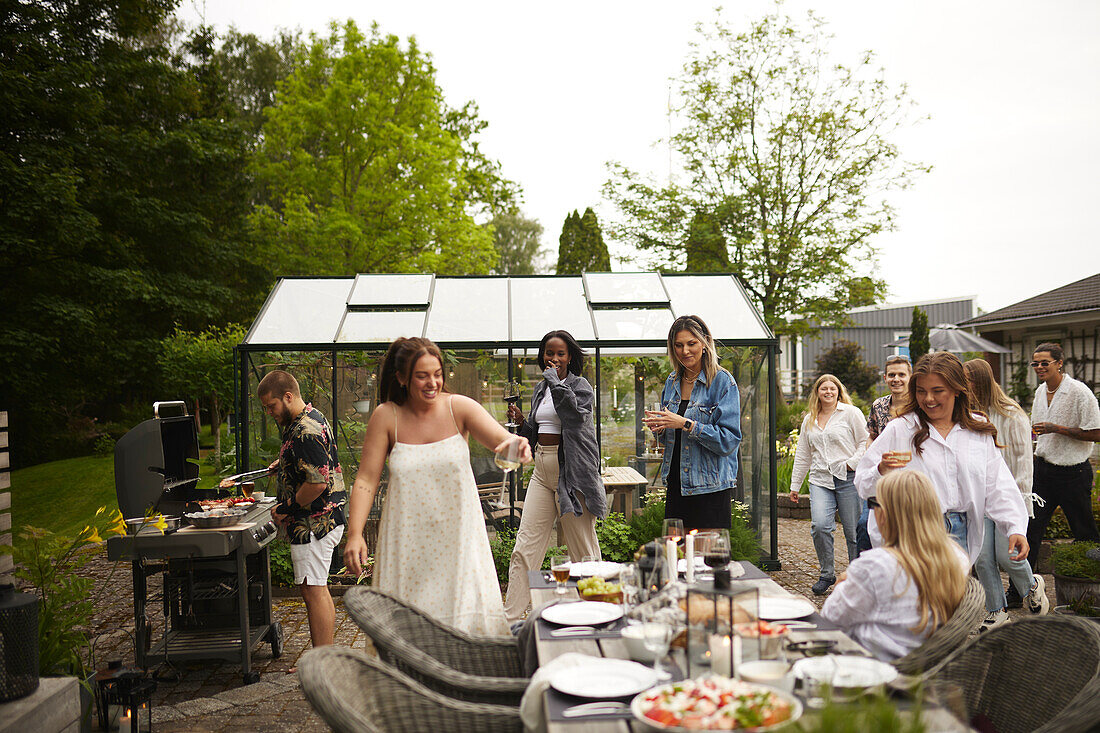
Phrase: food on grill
(215,517)
(712,703)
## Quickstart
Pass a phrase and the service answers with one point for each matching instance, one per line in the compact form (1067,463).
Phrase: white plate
(604,679)
(847,671)
(595,569)
(582,613)
(773,608)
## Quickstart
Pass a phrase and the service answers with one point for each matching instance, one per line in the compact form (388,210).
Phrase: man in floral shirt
(311,496)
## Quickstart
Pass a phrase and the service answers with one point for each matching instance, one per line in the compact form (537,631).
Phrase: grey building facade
(870,327)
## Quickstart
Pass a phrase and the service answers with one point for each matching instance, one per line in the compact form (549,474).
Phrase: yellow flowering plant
(50,564)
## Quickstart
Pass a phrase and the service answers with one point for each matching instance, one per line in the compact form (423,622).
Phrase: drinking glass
(512,392)
(630,584)
(656,636)
(703,542)
(658,444)
(508,457)
(673,528)
(717,554)
(559,567)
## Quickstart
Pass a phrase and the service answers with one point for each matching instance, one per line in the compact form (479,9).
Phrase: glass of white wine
(508,457)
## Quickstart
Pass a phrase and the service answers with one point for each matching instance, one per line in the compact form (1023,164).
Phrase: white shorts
(311,562)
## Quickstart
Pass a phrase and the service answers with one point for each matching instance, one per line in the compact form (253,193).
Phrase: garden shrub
(282,570)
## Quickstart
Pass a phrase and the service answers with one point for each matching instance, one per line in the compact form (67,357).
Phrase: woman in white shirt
(1014,440)
(937,433)
(832,438)
(897,594)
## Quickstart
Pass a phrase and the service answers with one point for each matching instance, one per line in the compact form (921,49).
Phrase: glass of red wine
(511,397)
(717,554)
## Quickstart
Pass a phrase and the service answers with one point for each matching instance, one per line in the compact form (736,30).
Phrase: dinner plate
(604,679)
(582,613)
(774,608)
(595,568)
(847,672)
(637,707)
(735,568)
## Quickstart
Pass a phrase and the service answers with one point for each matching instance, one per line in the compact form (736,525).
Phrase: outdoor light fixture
(125,699)
(18,643)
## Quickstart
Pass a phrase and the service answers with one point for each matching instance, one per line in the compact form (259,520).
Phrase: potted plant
(1077,577)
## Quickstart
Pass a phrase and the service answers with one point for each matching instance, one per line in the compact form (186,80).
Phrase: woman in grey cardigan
(566,481)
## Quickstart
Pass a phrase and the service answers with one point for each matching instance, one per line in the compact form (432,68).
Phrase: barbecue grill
(216,589)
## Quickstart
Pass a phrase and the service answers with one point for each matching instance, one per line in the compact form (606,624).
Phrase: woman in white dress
(433,551)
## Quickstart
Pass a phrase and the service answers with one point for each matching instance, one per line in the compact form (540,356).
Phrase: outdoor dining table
(615,648)
(623,481)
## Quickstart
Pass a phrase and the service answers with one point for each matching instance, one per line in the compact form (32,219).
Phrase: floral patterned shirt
(879,416)
(308,456)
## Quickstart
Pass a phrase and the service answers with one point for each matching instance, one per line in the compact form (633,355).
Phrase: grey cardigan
(578,455)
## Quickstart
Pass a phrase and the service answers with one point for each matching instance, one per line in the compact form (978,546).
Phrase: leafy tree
(517,240)
(844,360)
(705,245)
(369,170)
(251,69)
(918,335)
(788,154)
(200,366)
(581,247)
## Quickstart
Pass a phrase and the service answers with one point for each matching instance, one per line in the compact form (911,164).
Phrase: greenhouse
(332,334)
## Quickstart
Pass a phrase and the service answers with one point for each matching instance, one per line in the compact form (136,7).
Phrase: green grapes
(596,586)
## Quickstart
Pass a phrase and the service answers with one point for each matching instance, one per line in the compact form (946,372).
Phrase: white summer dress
(433,551)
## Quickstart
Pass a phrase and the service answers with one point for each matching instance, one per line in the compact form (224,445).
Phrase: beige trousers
(540,511)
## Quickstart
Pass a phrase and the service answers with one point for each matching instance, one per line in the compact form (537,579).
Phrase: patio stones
(250,693)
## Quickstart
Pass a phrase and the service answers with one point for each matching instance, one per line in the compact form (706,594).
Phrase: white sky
(1011,88)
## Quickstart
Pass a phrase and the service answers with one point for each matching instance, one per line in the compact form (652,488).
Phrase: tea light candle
(724,650)
(126,723)
(689,556)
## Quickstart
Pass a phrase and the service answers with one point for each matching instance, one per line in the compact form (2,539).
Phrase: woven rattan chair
(459,665)
(1034,674)
(950,636)
(355,692)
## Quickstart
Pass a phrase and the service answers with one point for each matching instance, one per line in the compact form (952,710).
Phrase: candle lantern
(723,620)
(18,643)
(125,699)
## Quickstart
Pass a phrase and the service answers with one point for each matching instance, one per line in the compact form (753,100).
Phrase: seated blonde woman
(897,594)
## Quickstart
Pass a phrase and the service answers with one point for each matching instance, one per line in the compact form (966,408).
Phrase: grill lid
(155,461)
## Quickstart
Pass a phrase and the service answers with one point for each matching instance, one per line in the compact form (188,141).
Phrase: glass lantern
(720,626)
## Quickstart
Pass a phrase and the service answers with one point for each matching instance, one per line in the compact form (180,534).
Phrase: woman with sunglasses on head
(894,596)
(1014,440)
(830,442)
(566,482)
(700,425)
(938,433)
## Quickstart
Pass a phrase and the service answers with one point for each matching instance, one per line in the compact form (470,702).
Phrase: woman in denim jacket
(700,425)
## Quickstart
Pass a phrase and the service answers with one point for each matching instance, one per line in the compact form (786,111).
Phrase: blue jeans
(825,503)
(995,556)
(955,522)
(863,537)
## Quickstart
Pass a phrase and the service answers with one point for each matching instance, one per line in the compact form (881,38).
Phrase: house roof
(1082,295)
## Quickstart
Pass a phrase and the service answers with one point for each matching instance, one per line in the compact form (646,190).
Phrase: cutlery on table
(603,707)
(573,631)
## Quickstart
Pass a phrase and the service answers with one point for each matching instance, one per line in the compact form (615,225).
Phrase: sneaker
(993,620)
(1037,601)
(821,587)
(1013,597)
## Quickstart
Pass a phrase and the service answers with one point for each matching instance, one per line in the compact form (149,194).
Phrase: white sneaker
(993,620)
(1037,601)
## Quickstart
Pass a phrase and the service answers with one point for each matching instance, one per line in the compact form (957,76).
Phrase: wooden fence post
(7,566)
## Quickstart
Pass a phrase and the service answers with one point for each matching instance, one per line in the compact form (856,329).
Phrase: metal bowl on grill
(213,518)
(143,526)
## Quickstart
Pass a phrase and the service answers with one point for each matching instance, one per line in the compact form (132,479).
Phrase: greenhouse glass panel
(619,288)
(541,305)
(377,327)
(628,386)
(469,310)
(719,302)
(301,311)
(390,291)
(633,324)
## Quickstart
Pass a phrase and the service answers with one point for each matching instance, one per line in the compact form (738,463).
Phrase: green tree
(200,366)
(251,70)
(705,245)
(581,247)
(844,360)
(789,154)
(124,195)
(918,335)
(367,169)
(518,243)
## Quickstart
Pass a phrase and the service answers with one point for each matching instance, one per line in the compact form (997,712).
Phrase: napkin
(531,706)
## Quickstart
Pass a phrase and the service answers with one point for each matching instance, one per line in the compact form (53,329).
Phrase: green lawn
(62,496)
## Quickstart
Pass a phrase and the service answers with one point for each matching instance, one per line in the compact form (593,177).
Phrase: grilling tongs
(240,478)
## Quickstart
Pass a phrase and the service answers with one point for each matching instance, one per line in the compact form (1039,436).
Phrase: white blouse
(877,605)
(966,469)
(1073,405)
(825,453)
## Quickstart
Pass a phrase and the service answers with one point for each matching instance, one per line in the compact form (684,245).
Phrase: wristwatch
(688,425)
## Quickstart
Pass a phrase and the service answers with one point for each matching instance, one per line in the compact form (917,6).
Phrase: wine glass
(630,584)
(703,543)
(658,444)
(559,567)
(511,397)
(673,528)
(717,554)
(508,457)
(656,636)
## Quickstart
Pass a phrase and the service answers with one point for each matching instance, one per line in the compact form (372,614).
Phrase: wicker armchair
(449,661)
(950,636)
(358,693)
(1034,674)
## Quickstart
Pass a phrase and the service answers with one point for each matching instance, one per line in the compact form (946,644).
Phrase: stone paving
(210,697)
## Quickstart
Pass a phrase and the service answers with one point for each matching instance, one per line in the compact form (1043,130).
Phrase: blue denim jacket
(708,452)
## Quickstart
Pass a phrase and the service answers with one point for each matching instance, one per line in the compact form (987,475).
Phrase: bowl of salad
(715,703)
